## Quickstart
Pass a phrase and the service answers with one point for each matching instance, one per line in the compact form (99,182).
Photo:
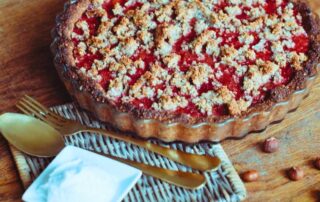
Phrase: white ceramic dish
(125,175)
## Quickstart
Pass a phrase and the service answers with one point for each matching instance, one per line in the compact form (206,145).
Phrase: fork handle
(195,161)
(179,178)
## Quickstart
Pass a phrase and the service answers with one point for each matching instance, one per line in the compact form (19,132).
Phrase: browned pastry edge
(66,67)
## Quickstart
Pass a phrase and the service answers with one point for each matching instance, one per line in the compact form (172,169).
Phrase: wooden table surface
(26,68)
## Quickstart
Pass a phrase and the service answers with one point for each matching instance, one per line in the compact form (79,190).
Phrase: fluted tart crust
(187,62)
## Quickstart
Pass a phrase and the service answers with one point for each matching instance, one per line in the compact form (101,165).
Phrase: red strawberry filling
(224,74)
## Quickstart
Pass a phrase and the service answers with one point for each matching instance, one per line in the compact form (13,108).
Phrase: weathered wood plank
(26,68)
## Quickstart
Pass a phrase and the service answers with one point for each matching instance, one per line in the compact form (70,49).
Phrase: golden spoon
(37,138)
(65,126)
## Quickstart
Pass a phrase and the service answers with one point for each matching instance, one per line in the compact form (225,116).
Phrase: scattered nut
(271,145)
(295,173)
(250,176)
(317,163)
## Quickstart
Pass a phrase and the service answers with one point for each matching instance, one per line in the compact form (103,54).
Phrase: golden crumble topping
(197,57)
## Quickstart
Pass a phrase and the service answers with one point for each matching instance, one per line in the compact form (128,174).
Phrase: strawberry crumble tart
(186,62)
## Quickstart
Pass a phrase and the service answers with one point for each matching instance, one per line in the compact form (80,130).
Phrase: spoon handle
(195,161)
(179,178)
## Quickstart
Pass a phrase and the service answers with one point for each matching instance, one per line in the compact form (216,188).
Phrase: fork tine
(42,107)
(31,114)
(47,115)
(39,114)
(27,112)
(27,109)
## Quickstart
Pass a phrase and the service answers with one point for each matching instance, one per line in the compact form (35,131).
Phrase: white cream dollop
(78,182)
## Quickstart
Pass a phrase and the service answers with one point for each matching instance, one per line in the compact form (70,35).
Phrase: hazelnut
(250,176)
(271,145)
(317,163)
(295,173)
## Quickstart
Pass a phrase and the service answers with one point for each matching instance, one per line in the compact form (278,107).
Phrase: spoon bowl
(31,135)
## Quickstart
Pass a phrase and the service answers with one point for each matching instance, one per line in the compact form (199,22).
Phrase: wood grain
(26,68)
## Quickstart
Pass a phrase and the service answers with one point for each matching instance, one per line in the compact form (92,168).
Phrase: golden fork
(37,138)
(65,126)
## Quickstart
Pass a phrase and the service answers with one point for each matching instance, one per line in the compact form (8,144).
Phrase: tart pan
(177,131)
